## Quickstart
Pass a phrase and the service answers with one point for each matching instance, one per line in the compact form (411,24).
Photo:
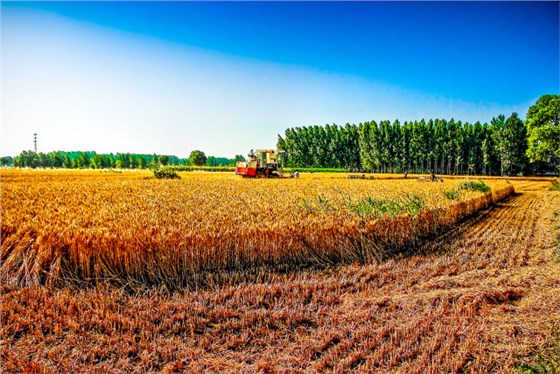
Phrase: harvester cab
(261,163)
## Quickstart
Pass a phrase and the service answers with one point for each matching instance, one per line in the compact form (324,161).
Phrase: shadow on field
(446,240)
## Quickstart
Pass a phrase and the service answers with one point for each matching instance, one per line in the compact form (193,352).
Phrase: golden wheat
(88,226)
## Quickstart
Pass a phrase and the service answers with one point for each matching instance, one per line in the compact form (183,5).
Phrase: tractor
(261,163)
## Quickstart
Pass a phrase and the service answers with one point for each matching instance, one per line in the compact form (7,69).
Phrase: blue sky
(227,77)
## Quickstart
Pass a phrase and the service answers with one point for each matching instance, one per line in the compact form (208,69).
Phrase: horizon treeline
(93,160)
(505,146)
(439,145)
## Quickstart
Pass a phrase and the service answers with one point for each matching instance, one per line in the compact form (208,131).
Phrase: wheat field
(479,296)
(87,227)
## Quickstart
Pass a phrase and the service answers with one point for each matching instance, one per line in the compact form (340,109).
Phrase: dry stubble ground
(482,297)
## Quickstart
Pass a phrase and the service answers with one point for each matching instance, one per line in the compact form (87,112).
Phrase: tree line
(505,146)
(93,160)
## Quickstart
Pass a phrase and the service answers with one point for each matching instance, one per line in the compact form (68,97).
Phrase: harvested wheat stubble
(84,228)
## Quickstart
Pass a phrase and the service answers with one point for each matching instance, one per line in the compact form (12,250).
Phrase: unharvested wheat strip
(137,231)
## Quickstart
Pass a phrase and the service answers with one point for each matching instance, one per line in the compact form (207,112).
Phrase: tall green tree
(56,159)
(82,161)
(66,161)
(543,130)
(517,139)
(141,163)
(501,140)
(154,162)
(97,161)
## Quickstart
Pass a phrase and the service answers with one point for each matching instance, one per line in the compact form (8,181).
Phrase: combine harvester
(265,163)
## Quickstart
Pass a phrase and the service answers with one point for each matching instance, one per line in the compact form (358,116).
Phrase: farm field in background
(482,296)
(87,227)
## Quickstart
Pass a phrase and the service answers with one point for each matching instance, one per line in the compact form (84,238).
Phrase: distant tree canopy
(6,161)
(197,158)
(93,160)
(439,145)
(220,161)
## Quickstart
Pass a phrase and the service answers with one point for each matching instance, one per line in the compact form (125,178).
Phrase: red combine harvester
(262,163)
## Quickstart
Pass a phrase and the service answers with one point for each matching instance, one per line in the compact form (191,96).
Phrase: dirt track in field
(483,297)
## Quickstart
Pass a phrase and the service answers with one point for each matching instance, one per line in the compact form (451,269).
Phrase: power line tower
(35,141)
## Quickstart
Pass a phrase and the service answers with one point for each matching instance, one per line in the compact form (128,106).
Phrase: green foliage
(316,170)
(543,129)
(6,161)
(82,161)
(166,173)
(441,146)
(555,185)
(321,203)
(67,162)
(95,160)
(467,185)
(368,206)
(222,161)
(228,169)
(88,159)
(453,194)
(510,141)
(479,186)
(142,164)
(373,207)
(197,158)
(328,146)
(449,147)
(164,160)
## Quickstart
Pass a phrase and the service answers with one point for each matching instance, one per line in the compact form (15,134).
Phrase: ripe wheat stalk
(80,228)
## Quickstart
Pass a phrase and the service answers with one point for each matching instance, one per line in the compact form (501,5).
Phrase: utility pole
(35,141)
